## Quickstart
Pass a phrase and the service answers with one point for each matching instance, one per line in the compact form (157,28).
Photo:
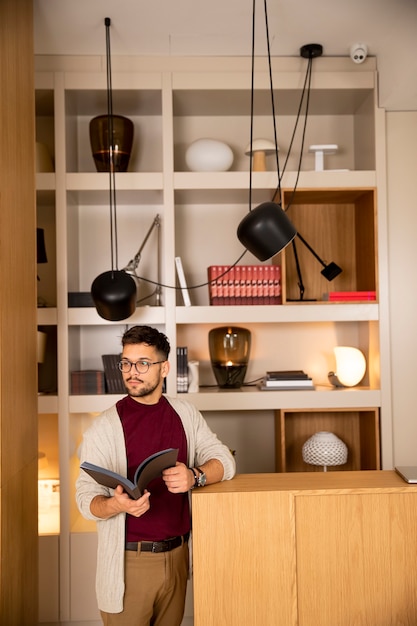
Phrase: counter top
(313,482)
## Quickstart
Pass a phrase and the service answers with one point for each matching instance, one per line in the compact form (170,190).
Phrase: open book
(150,468)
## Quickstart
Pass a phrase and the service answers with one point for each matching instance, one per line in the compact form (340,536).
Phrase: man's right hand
(120,502)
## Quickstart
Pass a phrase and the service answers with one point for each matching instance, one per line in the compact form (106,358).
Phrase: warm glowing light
(350,365)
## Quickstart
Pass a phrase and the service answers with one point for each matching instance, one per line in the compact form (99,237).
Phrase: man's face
(146,387)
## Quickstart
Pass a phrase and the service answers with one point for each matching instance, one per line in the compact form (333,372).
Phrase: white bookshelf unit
(341,211)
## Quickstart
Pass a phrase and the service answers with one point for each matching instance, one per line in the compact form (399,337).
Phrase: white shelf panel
(251,399)
(88,316)
(268,180)
(125,181)
(47,316)
(248,399)
(289,313)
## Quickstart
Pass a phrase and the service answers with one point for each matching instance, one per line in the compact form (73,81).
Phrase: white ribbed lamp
(324,448)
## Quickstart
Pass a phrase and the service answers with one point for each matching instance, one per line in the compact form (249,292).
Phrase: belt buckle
(159,546)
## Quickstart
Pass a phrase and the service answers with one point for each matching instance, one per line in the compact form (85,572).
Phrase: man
(142,558)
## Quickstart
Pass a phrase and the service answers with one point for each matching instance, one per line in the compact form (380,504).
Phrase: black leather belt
(157,546)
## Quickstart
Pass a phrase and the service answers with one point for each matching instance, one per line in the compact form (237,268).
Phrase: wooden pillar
(18,374)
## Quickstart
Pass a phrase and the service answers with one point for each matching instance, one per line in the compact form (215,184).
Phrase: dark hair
(150,336)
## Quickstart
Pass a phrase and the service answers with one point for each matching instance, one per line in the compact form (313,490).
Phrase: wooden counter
(306,549)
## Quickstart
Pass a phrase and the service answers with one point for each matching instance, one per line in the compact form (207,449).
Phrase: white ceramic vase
(209,155)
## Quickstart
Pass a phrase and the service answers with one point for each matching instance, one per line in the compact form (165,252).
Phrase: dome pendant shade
(114,295)
(266,230)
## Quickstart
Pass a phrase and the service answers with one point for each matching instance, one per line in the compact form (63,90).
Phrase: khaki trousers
(155,587)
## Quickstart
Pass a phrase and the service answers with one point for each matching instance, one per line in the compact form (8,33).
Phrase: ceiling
(223,28)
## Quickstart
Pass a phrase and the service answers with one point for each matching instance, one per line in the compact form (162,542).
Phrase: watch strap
(195,477)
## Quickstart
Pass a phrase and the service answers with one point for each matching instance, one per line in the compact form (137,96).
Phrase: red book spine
(265,275)
(236,284)
(277,295)
(255,290)
(266,284)
(212,286)
(249,285)
(225,285)
(243,285)
(232,284)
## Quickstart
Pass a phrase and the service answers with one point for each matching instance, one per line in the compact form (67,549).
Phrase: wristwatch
(201,480)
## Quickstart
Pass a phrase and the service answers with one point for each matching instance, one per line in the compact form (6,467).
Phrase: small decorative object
(320,151)
(209,155)
(324,448)
(261,148)
(229,353)
(193,376)
(350,367)
(120,144)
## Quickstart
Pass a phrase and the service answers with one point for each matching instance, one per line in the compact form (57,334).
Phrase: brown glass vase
(229,354)
(123,131)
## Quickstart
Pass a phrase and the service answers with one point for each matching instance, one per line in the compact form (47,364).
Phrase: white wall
(402,249)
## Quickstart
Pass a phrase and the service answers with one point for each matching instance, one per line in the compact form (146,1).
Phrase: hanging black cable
(110,154)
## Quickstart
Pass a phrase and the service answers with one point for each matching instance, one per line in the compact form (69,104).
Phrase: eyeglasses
(142,367)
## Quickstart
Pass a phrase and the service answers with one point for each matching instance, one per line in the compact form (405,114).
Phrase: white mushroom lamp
(259,150)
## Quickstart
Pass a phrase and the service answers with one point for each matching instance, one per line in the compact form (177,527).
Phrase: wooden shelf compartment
(339,224)
(358,428)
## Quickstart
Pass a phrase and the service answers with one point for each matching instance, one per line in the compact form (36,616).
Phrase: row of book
(182,369)
(280,380)
(244,284)
(87,382)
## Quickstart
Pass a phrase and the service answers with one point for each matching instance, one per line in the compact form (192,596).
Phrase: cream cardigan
(103,444)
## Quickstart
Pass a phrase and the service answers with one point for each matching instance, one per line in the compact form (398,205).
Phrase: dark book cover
(114,378)
(286,375)
(150,468)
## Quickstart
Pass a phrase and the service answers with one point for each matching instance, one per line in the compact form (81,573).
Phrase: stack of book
(349,296)
(286,379)
(113,376)
(244,284)
(87,382)
(182,369)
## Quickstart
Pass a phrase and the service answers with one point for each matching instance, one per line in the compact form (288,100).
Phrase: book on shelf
(293,385)
(286,379)
(349,296)
(182,281)
(244,284)
(182,369)
(150,468)
(278,375)
(87,382)
(112,374)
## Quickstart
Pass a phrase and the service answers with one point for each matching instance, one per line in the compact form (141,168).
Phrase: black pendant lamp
(113,292)
(265,230)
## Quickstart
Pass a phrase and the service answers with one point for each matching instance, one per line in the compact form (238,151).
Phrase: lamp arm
(133,263)
(307,245)
(298,268)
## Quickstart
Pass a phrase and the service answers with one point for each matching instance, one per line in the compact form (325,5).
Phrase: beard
(144,389)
